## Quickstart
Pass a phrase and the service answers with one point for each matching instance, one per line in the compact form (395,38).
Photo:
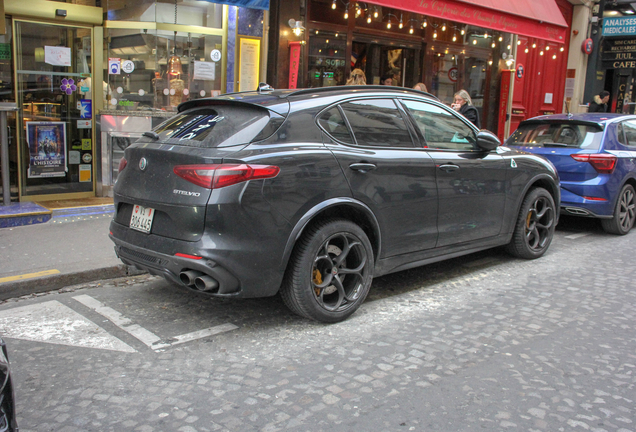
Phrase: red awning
(533,18)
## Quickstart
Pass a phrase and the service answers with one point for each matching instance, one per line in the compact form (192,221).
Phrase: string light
(486,34)
(561,49)
(509,47)
(424,23)
(492,45)
(346,15)
(547,47)
(490,62)
(454,37)
(474,41)
(463,32)
(444,27)
(534,45)
(411,30)
(541,53)
(500,38)
(401,24)
(388,25)
(554,57)
(333,5)
(518,42)
(435,34)
(527,50)
(375,13)
(369,19)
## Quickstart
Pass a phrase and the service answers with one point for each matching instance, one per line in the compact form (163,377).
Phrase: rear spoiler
(278,105)
(596,125)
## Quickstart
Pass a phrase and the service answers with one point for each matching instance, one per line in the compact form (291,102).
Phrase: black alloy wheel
(330,272)
(624,213)
(535,225)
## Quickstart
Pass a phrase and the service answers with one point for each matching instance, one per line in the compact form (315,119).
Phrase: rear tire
(623,220)
(330,272)
(535,225)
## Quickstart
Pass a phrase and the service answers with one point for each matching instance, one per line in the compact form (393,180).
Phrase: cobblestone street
(483,342)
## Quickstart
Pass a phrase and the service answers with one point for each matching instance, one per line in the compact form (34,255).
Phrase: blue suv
(594,154)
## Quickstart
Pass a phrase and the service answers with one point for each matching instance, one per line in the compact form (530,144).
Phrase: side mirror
(487,140)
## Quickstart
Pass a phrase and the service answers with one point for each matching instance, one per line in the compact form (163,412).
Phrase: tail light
(603,163)
(122,164)
(215,176)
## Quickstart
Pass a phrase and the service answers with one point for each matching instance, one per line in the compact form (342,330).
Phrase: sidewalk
(71,248)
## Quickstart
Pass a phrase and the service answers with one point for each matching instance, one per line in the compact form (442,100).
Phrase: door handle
(362,167)
(448,167)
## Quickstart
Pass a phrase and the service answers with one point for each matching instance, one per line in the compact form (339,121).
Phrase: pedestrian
(599,103)
(420,87)
(464,105)
(386,80)
(357,77)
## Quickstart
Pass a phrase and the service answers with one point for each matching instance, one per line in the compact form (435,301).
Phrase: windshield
(556,135)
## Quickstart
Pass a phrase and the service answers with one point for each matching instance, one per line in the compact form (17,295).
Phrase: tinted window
(630,132)
(441,128)
(377,122)
(333,123)
(556,135)
(220,126)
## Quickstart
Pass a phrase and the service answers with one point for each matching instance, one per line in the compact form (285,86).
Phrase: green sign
(5,51)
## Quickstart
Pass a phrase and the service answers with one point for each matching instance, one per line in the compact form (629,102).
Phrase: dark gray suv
(314,192)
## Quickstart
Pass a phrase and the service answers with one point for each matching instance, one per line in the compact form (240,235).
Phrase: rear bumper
(238,274)
(574,203)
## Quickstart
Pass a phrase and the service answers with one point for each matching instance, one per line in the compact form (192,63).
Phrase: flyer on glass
(47,149)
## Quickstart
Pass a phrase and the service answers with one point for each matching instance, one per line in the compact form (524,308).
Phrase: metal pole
(4,154)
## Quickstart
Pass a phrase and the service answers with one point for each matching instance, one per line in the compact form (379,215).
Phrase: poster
(250,51)
(47,149)
(204,71)
(57,56)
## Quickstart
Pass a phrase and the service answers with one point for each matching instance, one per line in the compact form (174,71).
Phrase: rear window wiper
(151,134)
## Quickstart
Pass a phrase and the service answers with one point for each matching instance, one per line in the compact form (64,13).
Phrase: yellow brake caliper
(317,276)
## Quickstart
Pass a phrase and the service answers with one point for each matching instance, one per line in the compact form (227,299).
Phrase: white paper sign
(84,124)
(74,157)
(204,71)
(548,98)
(57,56)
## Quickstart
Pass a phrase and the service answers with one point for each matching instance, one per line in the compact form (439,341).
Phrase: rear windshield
(556,135)
(218,126)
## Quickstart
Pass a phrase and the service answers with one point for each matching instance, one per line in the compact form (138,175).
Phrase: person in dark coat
(599,104)
(464,105)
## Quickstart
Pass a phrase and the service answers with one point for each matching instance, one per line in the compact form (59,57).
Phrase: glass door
(55,123)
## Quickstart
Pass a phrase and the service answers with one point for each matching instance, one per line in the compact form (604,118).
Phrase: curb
(9,290)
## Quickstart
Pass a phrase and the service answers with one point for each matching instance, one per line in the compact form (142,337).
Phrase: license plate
(141,219)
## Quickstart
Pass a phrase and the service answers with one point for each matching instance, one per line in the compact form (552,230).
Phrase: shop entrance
(378,59)
(55,123)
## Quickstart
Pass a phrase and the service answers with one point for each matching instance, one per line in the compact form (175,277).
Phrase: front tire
(535,225)
(623,220)
(330,272)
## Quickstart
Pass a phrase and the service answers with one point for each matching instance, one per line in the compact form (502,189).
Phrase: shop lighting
(424,23)
(375,12)
(485,34)
(500,38)
(509,47)
(401,23)
(554,57)
(336,35)
(411,29)
(561,49)
(346,15)
(454,37)
(547,47)
(527,50)
(474,41)
(463,32)
(435,34)
(541,53)
(368,19)
(518,42)
(326,40)
(333,5)
(358,11)
(296,26)
(316,31)
(534,45)
(388,25)
(490,62)
(444,27)
(492,45)
(510,61)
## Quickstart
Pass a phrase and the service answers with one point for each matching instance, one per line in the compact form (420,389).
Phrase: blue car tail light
(603,163)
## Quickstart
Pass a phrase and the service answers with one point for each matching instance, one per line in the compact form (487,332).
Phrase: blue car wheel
(624,214)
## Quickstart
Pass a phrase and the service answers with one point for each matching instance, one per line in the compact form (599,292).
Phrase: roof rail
(359,88)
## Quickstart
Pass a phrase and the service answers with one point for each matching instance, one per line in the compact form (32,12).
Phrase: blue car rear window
(556,135)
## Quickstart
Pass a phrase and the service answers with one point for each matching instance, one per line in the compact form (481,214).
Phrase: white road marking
(147,337)
(52,322)
(575,236)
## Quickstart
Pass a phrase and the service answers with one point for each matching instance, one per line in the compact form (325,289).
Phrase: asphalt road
(484,342)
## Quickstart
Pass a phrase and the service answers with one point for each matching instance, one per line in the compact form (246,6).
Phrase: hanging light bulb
(454,37)
(541,53)
(518,42)
(336,35)
(435,34)
(388,25)
(369,19)
(463,32)
(401,25)
(561,49)
(375,13)
(411,30)
(446,51)
(486,34)
(534,45)
(424,23)
(316,31)
(333,5)
(527,50)
(547,47)
(509,47)
(474,41)
(358,11)
(444,27)
(346,15)
(326,40)
(554,57)
(500,38)
(492,45)
(490,62)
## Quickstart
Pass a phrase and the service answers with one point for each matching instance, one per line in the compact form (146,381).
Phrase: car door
(385,170)
(471,183)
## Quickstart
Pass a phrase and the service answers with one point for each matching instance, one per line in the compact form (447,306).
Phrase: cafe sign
(619,53)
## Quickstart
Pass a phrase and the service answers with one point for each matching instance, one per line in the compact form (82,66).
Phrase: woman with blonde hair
(420,87)
(464,105)
(357,77)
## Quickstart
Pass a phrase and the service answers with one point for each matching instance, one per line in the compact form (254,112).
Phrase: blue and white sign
(114,66)
(623,26)
(86,108)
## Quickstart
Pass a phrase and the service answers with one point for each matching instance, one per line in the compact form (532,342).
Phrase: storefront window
(159,69)
(326,59)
